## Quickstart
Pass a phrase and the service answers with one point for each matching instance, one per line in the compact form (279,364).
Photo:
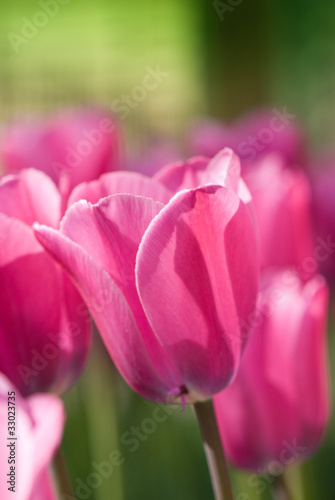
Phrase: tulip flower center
(179,392)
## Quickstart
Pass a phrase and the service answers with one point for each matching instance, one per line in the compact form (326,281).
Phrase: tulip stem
(216,460)
(61,474)
(281,489)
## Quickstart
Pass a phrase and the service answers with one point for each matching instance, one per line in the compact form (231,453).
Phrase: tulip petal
(224,169)
(197,277)
(44,315)
(17,240)
(120,182)
(183,175)
(39,422)
(107,299)
(44,488)
(30,196)
(47,413)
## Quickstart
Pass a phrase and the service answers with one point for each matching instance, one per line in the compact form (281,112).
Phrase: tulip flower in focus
(278,406)
(74,147)
(282,201)
(38,430)
(44,325)
(252,136)
(167,280)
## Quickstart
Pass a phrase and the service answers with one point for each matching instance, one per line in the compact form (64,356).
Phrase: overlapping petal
(195,287)
(120,182)
(98,250)
(30,197)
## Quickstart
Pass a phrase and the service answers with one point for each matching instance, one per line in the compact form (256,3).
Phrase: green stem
(216,460)
(280,488)
(61,475)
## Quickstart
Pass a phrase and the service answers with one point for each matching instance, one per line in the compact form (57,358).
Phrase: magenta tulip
(74,147)
(167,285)
(252,136)
(28,442)
(44,325)
(276,410)
(282,201)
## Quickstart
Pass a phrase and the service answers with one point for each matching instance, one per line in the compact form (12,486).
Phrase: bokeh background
(278,54)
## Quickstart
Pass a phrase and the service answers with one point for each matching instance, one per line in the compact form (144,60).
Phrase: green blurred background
(277,53)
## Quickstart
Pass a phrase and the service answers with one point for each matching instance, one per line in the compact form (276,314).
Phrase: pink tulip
(167,284)
(282,201)
(74,147)
(44,325)
(323,184)
(276,410)
(252,136)
(37,433)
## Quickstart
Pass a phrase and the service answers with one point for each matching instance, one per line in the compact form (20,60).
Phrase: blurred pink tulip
(261,132)
(167,284)
(323,184)
(282,201)
(44,325)
(74,147)
(157,154)
(39,422)
(276,410)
